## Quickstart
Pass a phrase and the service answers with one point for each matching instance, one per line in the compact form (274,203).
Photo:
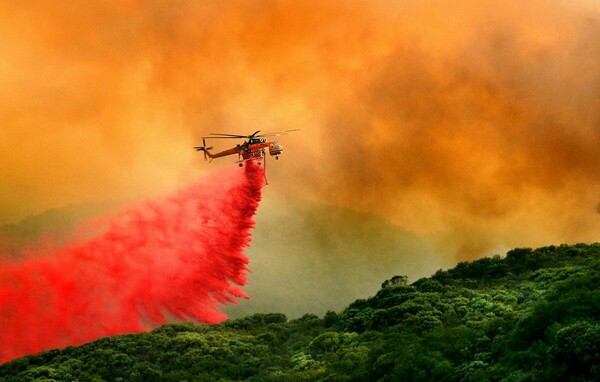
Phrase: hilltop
(529,316)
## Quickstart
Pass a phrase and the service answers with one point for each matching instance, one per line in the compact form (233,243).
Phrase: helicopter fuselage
(254,148)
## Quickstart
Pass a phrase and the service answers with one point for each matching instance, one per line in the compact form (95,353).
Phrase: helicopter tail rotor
(204,149)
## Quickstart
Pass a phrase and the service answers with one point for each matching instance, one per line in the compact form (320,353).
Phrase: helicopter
(254,148)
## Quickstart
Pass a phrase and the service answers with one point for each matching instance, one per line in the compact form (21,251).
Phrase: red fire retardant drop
(170,259)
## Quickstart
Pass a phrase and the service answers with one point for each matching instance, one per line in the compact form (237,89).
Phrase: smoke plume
(174,258)
(472,123)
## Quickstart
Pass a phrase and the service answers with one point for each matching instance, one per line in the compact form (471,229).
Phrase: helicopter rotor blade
(286,132)
(253,135)
(217,137)
(221,135)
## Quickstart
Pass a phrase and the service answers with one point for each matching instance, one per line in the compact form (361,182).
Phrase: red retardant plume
(176,258)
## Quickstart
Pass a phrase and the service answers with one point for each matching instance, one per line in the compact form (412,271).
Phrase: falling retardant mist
(176,258)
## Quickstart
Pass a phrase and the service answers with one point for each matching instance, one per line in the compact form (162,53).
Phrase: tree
(577,347)
(394,281)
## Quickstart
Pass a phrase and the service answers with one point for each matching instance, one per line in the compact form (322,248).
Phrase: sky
(473,125)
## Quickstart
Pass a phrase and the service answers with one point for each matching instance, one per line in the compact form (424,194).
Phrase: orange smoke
(474,124)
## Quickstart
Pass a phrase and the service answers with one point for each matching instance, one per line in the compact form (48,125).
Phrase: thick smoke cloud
(473,123)
(478,128)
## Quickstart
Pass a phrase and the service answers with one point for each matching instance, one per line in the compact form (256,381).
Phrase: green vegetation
(531,316)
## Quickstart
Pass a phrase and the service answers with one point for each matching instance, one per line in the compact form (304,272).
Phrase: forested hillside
(533,315)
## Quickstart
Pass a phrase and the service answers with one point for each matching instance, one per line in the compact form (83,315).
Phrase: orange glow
(474,123)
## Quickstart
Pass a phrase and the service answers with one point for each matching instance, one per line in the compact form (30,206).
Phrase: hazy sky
(473,124)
